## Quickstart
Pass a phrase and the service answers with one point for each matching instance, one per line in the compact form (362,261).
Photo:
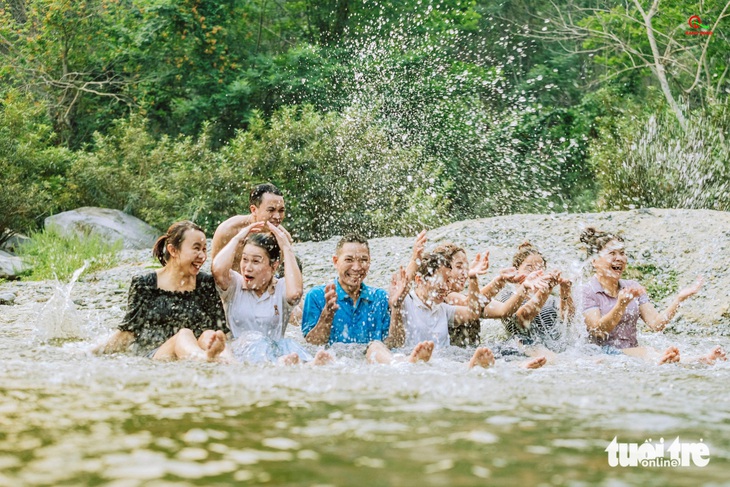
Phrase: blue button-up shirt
(361,322)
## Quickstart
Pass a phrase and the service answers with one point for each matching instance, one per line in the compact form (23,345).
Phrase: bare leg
(182,345)
(378,353)
(166,350)
(205,338)
(534,363)
(291,359)
(216,346)
(540,351)
(483,357)
(322,358)
(670,355)
(717,353)
(643,353)
(421,352)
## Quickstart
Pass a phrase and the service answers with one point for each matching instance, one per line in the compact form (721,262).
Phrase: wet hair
(431,263)
(525,250)
(267,242)
(351,238)
(448,250)
(175,236)
(596,240)
(257,193)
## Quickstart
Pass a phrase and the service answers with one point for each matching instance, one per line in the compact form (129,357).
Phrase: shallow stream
(68,418)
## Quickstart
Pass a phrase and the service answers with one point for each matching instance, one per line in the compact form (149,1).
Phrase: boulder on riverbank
(112,225)
(10,266)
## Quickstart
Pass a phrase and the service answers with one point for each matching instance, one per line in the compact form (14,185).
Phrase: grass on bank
(52,255)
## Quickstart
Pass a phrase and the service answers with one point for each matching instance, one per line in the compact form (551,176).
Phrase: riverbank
(667,250)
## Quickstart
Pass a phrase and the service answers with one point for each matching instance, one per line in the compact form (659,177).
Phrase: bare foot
(322,358)
(535,363)
(671,355)
(422,351)
(717,353)
(216,345)
(291,359)
(483,357)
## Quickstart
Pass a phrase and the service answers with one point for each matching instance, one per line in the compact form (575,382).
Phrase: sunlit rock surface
(110,224)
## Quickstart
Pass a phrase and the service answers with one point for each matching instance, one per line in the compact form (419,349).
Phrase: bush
(32,169)
(340,173)
(52,255)
(158,181)
(652,162)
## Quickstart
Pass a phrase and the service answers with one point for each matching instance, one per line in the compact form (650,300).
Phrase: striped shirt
(544,328)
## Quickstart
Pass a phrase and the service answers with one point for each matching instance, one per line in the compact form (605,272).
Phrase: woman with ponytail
(612,306)
(175,312)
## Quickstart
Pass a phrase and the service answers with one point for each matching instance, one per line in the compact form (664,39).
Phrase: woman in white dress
(257,304)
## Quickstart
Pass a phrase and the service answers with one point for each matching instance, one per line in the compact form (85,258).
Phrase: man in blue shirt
(347,311)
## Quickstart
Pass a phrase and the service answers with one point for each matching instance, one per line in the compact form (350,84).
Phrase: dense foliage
(383,116)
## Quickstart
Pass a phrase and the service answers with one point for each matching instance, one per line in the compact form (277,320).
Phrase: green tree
(32,168)
(62,52)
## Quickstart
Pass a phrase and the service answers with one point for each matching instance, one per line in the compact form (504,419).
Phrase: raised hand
(691,290)
(565,283)
(399,287)
(480,265)
(282,237)
(330,300)
(511,275)
(553,278)
(255,227)
(286,232)
(628,294)
(536,281)
(419,245)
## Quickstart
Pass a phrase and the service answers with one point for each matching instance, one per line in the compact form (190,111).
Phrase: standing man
(266,203)
(348,310)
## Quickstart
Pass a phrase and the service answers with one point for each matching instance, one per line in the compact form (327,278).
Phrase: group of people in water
(241,311)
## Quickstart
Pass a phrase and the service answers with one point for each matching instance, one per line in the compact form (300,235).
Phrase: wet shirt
(249,313)
(154,315)
(624,335)
(544,327)
(422,322)
(361,322)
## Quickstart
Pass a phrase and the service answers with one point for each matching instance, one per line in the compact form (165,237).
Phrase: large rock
(109,224)
(14,243)
(10,266)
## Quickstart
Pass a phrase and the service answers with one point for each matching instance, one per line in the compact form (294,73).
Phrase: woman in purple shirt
(612,306)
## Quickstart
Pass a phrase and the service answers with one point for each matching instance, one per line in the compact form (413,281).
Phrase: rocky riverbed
(667,250)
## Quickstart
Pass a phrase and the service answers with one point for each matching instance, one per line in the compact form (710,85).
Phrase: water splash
(59,319)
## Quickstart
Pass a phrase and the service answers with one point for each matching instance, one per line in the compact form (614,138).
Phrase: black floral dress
(154,315)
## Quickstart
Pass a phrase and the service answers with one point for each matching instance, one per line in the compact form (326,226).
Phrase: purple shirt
(624,335)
